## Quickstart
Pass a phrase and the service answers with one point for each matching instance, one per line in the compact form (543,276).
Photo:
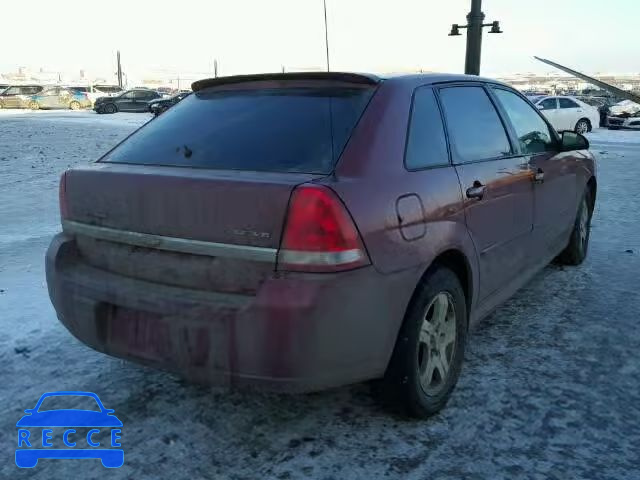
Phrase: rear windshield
(300,130)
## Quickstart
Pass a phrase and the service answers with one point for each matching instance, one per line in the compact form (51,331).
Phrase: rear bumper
(300,332)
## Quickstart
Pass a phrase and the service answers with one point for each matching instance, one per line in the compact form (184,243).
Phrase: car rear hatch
(198,197)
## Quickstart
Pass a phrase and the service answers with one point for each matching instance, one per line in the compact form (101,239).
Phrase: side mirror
(573,141)
(539,106)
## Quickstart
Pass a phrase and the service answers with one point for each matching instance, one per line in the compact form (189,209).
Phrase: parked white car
(568,113)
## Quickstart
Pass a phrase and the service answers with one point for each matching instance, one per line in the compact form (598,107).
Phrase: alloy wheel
(582,127)
(437,343)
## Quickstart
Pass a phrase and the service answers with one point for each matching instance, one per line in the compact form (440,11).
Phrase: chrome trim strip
(174,244)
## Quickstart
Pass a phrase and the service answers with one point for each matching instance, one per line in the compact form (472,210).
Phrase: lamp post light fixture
(474,36)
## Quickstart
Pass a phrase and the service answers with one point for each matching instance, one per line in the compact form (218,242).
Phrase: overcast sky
(364,35)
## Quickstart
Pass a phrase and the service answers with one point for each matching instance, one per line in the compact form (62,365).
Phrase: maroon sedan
(304,231)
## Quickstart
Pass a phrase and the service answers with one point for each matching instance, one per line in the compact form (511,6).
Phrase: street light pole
(326,33)
(474,36)
(119,72)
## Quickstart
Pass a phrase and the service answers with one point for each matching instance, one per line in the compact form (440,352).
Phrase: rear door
(570,112)
(549,108)
(49,98)
(126,102)
(552,173)
(64,98)
(142,98)
(496,181)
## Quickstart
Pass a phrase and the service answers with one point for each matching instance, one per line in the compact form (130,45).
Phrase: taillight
(319,235)
(62,195)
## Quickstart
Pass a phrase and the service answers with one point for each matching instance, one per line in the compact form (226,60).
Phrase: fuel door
(410,213)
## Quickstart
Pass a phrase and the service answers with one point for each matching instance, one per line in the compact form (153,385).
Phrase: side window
(475,129)
(143,95)
(129,95)
(12,91)
(568,103)
(426,143)
(548,104)
(532,131)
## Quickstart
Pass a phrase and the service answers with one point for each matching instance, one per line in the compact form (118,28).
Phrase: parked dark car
(307,230)
(18,96)
(59,97)
(161,105)
(135,100)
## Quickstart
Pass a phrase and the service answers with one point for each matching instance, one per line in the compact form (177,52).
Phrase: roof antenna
(326,33)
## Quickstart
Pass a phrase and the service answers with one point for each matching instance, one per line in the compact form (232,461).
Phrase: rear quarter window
(426,142)
(302,130)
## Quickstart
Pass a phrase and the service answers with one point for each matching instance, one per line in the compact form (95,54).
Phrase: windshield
(65,402)
(280,130)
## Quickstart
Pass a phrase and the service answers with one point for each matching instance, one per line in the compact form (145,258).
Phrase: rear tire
(74,105)
(576,250)
(583,126)
(428,355)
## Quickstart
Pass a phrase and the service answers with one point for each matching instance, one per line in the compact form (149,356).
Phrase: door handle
(538,177)
(476,191)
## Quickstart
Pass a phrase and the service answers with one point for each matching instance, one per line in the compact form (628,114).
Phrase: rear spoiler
(362,79)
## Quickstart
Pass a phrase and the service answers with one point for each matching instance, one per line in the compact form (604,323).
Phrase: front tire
(34,106)
(109,108)
(74,105)
(429,351)
(576,250)
(583,126)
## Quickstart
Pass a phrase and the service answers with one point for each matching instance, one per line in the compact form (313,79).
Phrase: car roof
(348,77)
(73,393)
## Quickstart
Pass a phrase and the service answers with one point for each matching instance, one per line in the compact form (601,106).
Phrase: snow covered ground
(550,388)
(605,136)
